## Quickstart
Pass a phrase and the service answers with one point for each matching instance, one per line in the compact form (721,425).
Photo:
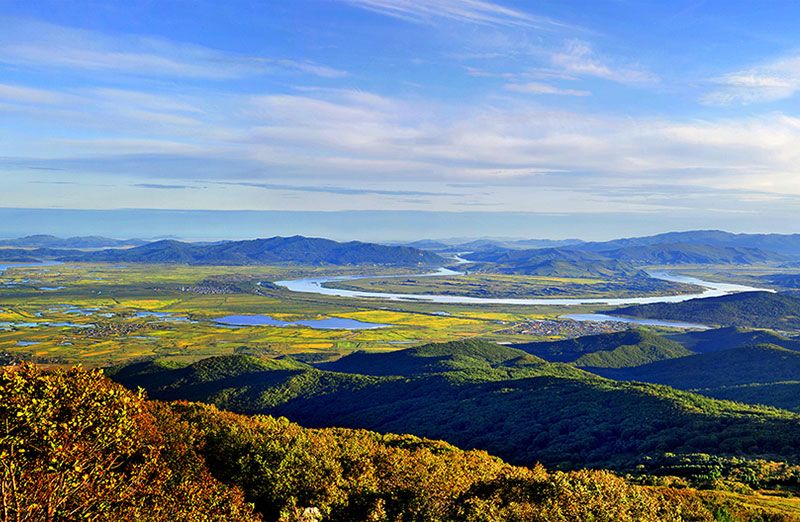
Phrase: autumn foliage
(75,446)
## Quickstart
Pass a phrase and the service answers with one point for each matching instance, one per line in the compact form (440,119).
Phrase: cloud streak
(543,88)
(32,44)
(579,59)
(339,190)
(466,11)
(767,82)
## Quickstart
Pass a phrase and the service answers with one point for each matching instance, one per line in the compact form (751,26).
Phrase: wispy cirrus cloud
(766,82)
(32,44)
(544,88)
(160,186)
(578,58)
(338,190)
(17,93)
(470,11)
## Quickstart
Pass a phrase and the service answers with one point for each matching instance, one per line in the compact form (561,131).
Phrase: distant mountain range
(471,245)
(620,258)
(693,254)
(551,262)
(779,243)
(45,241)
(788,244)
(622,262)
(296,249)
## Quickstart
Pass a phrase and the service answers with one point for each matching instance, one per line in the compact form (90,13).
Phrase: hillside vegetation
(752,309)
(722,370)
(612,350)
(779,243)
(75,446)
(276,250)
(512,405)
(731,337)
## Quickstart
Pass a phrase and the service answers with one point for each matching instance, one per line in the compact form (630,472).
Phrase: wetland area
(102,314)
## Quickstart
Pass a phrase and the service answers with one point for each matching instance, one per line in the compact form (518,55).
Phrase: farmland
(101,314)
(517,286)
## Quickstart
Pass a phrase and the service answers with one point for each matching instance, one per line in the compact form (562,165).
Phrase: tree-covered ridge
(753,309)
(610,350)
(696,254)
(552,262)
(780,243)
(702,341)
(468,355)
(519,408)
(723,372)
(275,250)
(75,446)
(48,241)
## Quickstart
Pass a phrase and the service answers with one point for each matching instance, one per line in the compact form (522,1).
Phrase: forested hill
(610,350)
(753,309)
(621,262)
(78,242)
(551,262)
(433,358)
(88,450)
(745,365)
(691,254)
(296,249)
(779,243)
(515,406)
(703,341)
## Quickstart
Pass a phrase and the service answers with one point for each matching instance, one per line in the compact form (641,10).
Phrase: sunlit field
(99,315)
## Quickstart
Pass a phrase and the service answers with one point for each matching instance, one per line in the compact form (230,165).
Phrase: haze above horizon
(407,119)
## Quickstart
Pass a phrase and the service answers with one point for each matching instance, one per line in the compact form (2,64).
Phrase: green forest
(76,446)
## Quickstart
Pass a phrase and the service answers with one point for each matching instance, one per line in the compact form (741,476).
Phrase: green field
(97,315)
(518,286)
(101,314)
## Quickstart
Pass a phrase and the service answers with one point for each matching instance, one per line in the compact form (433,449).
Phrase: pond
(329,323)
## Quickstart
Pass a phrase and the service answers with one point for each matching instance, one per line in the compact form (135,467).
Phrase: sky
(426,118)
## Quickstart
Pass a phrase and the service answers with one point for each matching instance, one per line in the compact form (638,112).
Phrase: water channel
(315,285)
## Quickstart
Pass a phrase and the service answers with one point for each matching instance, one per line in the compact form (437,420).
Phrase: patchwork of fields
(97,315)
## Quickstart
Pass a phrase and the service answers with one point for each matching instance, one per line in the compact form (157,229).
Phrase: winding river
(315,285)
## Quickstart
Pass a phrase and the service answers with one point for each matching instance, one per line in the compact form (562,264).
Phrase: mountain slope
(46,241)
(297,249)
(609,350)
(731,337)
(525,411)
(89,450)
(692,254)
(753,309)
(432,358)
(779,243)
(760,363)
(732,371)
(556,262)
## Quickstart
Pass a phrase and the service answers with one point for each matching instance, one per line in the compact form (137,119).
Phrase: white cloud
(543,88)
(16,93)
(578,58)
(470,11)
(43,45)
(766,82)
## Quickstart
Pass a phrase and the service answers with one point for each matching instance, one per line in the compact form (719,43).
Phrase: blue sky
(592,119)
